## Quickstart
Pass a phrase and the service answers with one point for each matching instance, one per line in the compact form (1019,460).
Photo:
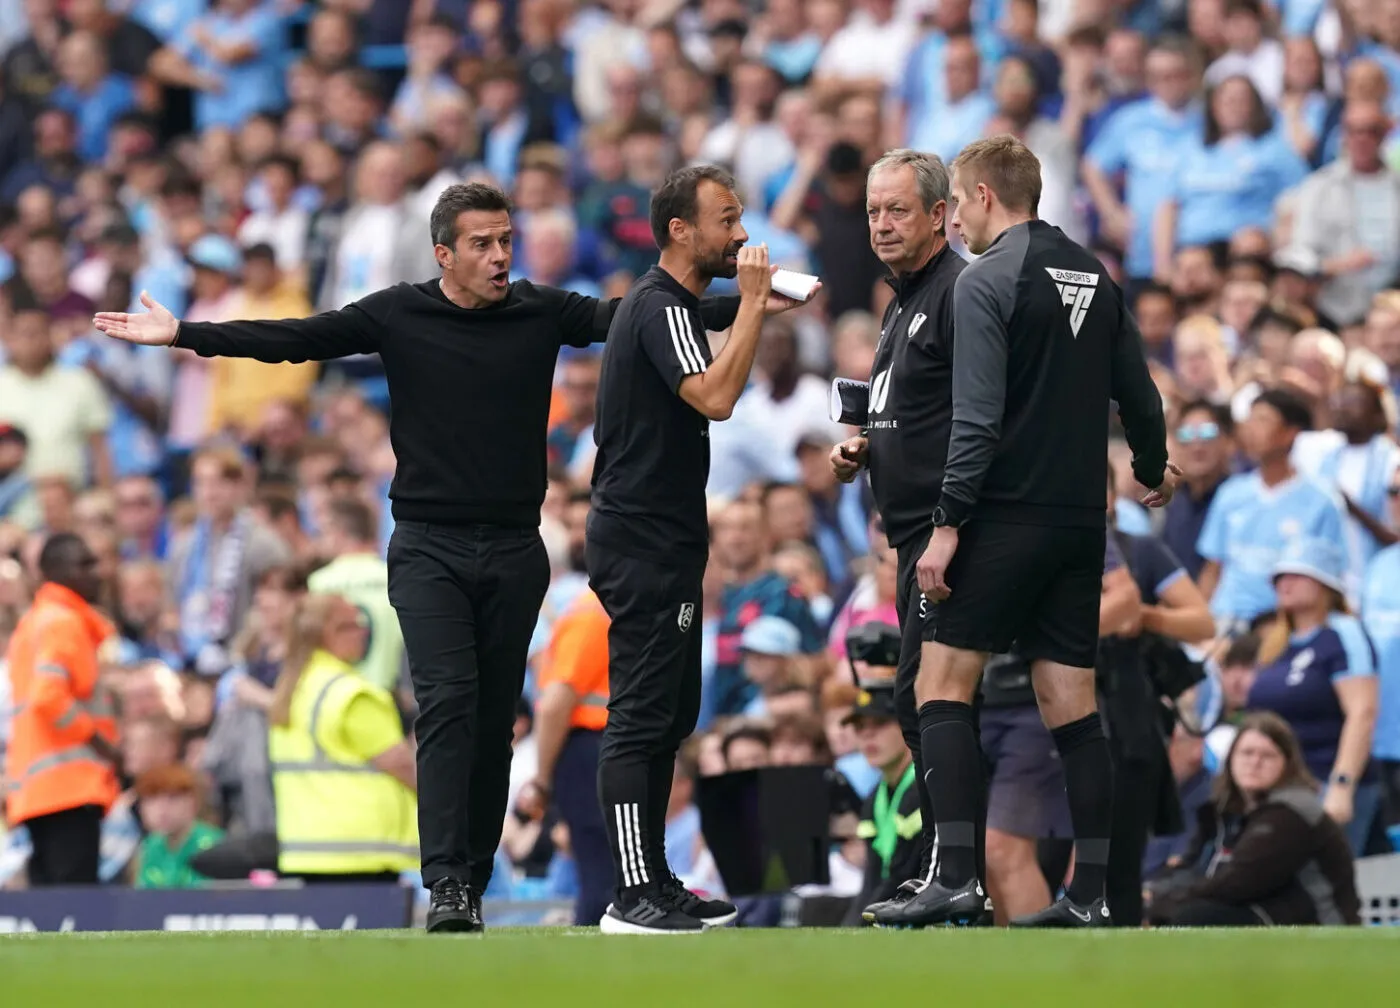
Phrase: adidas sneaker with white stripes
(650,915)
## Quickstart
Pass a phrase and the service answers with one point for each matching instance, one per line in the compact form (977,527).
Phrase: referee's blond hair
(1004,165)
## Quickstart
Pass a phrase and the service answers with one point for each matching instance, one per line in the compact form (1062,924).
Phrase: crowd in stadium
(1235,165)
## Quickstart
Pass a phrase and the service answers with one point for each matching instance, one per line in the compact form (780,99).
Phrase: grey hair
(930,173)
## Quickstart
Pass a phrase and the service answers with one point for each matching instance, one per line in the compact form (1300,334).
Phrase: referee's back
(1044,309)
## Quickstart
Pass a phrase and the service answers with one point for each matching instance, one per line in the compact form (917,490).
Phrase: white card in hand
(798,286)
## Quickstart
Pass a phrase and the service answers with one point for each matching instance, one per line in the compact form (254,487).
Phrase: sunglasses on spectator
(1188,433)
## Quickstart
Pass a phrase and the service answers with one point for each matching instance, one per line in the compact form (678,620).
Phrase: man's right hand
(153,327)
(755,275)
(848,457)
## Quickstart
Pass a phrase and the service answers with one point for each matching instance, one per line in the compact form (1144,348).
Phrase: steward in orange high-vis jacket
(59,769)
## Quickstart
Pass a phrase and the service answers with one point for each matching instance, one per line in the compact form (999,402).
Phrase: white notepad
(798,286)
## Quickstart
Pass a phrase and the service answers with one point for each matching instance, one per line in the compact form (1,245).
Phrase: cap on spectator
(771,635)
(9,432)
(172,779)
(815,440)
(876,702)
(217,253)
(1302,261)
(1315,558)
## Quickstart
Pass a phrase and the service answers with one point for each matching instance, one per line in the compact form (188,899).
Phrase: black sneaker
(907,890)
(453,906)
(651,915)
(1065,913)
(710,912)
(936,904)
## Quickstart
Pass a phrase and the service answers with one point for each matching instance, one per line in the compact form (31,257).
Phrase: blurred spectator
(94,97)
(1250,54)
(873,598)
(282,223)
(1317,670)
(746,746)
(62,410)
(768,646)
(17,503)
(752,590)
(1358,250)
(1203,445)
(174,833)
(1264,810)
(216,564)
(1255,514)
(359,574)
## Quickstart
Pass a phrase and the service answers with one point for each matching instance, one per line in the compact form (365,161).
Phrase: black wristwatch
(941,520)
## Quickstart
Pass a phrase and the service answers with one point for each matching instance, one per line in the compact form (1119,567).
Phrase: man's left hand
(932,568)
(779,303)
(1162,496)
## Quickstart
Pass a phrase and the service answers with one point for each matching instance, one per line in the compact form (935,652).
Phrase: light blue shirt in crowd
(1232,185)
(168,20)
(252,86)
(1145,141)
(946,130)
(922,88)
(1380,614)
(1300,16)
(95,112)
(1246,529)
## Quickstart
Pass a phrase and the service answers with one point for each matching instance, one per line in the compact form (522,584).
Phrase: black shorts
(654,642)
(1032,586)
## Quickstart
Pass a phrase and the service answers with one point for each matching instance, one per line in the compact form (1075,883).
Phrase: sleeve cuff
(956,511)
(1150,474)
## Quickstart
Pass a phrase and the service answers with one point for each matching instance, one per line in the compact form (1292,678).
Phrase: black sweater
(469,388)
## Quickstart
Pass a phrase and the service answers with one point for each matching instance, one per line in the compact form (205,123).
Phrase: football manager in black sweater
(470,359)
(1043,344)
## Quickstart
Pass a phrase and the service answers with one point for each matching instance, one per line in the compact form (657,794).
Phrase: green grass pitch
(772,969)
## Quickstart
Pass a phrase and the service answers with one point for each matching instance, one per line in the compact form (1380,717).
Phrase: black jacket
(1286,860)
(911,397)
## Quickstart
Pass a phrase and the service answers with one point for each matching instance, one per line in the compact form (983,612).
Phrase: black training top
(1044,343)
(653,448)
(469,388)
(911,397)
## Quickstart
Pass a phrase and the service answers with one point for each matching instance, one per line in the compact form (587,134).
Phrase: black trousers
(467,598)
(576,798)
(66,847)
(1135,802)
(653,702)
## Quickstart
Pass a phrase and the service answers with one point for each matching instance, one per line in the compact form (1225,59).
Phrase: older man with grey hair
(904,440)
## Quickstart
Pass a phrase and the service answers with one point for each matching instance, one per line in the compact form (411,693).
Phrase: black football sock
(1089,784)
(623,795)
(953,762)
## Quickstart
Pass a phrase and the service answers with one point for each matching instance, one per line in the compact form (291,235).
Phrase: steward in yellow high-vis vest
(337,814)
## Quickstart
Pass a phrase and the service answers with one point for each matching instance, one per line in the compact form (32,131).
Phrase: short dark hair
(262,250)
(461,198)
(1220,414)
(281,161)
(745,730)
(1154,289)
(58,555)
(679,197)
(1290,407)
(353,518)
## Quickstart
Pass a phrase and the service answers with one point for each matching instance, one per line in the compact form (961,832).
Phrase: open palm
(153,327)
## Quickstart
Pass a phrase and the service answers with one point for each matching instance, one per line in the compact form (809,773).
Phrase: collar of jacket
(97,626)
(906,284)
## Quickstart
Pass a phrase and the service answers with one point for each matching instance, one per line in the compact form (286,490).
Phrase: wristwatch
(941,519)
(1342,780)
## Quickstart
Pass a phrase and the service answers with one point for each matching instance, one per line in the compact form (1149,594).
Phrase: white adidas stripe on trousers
(629,844)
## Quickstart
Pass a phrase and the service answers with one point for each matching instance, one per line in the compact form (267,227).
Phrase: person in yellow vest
(343,774)
(63,736)
(359,574)
(569,718)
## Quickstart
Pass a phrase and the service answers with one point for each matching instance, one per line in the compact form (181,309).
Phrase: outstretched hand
(156,326)
(779,303)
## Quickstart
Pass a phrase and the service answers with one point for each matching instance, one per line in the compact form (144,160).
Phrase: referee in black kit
(905,439)
(648,533)
(470,360)
(1044,343)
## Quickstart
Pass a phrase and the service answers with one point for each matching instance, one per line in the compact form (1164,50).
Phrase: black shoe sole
(957,920)
(453,923)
